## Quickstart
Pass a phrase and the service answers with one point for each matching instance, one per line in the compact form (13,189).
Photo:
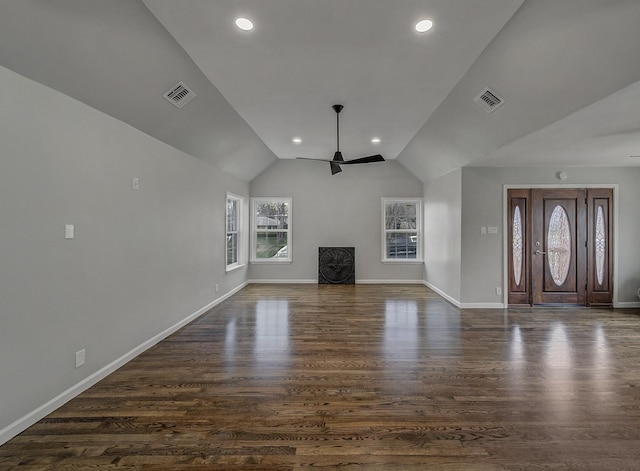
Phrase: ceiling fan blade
(364,160)
(311,158)
(335,166)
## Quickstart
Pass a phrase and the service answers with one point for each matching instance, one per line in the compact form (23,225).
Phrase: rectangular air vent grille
(489,100)
(180,95)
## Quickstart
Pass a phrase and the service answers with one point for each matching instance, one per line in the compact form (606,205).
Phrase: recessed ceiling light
(375,140)
(423,26)
(245,24)
(297,140)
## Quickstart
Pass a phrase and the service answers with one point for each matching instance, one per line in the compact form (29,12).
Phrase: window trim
(419,230)
(240,233)
(289,230)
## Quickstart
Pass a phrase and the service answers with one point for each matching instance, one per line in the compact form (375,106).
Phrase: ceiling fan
(338,160)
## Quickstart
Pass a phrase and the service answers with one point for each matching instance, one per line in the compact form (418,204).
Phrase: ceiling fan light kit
(338,160)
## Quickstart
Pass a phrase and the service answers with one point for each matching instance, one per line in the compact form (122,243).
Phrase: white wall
(442,221)
(340,210)
(141,262)
(482,205)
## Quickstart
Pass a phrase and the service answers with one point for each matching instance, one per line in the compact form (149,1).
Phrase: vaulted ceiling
(568,72)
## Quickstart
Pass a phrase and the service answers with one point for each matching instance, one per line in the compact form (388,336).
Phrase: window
(401,230)
(271,230)
(233,238)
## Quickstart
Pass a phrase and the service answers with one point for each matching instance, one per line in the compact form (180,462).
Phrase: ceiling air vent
(180,95)
(489,100)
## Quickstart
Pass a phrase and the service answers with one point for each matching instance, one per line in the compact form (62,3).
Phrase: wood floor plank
(359,377)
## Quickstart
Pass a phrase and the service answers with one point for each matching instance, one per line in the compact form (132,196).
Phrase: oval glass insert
(517,246)
(559,245)
(601,244)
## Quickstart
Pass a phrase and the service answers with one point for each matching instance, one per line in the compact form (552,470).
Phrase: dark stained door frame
(585,286)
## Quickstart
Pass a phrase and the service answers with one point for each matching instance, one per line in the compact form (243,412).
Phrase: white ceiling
(605,134)
(305,55)
(569,72)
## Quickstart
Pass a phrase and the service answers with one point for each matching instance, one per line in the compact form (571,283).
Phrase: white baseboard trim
(283,282)
(627,304)
(460,305)
(20,425)
(453,301)
(358,282)
(389,282)
(482,306)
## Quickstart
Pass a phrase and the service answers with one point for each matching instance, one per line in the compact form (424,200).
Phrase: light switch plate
(69,231)
(493,230)
(80,357)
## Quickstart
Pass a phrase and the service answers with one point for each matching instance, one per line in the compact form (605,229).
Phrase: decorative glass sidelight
(600,245)
(517,246)
(559,245)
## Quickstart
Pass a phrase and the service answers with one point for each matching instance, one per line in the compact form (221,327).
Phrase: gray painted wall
(340,210)
(141,261)
(482,205)
(442,222)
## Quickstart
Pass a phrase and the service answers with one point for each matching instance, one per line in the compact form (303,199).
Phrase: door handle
(540,253)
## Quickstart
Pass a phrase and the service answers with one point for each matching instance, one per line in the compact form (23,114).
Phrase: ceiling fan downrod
(337,109)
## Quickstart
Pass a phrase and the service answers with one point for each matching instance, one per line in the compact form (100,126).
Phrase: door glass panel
(601,242)
(559,245)
(517,246)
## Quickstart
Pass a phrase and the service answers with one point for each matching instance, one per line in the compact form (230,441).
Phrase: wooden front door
(560,246)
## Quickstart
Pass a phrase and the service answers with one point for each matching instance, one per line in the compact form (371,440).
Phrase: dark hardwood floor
(364,377)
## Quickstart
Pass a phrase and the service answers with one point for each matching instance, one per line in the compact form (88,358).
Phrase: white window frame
(254,229)
(418,230)
(239,232)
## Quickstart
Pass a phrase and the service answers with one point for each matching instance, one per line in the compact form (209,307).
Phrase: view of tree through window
(271,229)
(401,229)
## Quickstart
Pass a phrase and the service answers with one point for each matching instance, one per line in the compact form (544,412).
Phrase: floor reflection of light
(601,379)
(559,363)
(230,340)
(401,329)
(517,351)
(272,331)
(516,361)
(443,332)
(558,350)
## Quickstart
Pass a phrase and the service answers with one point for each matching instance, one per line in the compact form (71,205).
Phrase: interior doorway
(560,246)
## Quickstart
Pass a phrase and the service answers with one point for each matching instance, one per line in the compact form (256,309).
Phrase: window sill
(235,267)
(271,262)
(413,261)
